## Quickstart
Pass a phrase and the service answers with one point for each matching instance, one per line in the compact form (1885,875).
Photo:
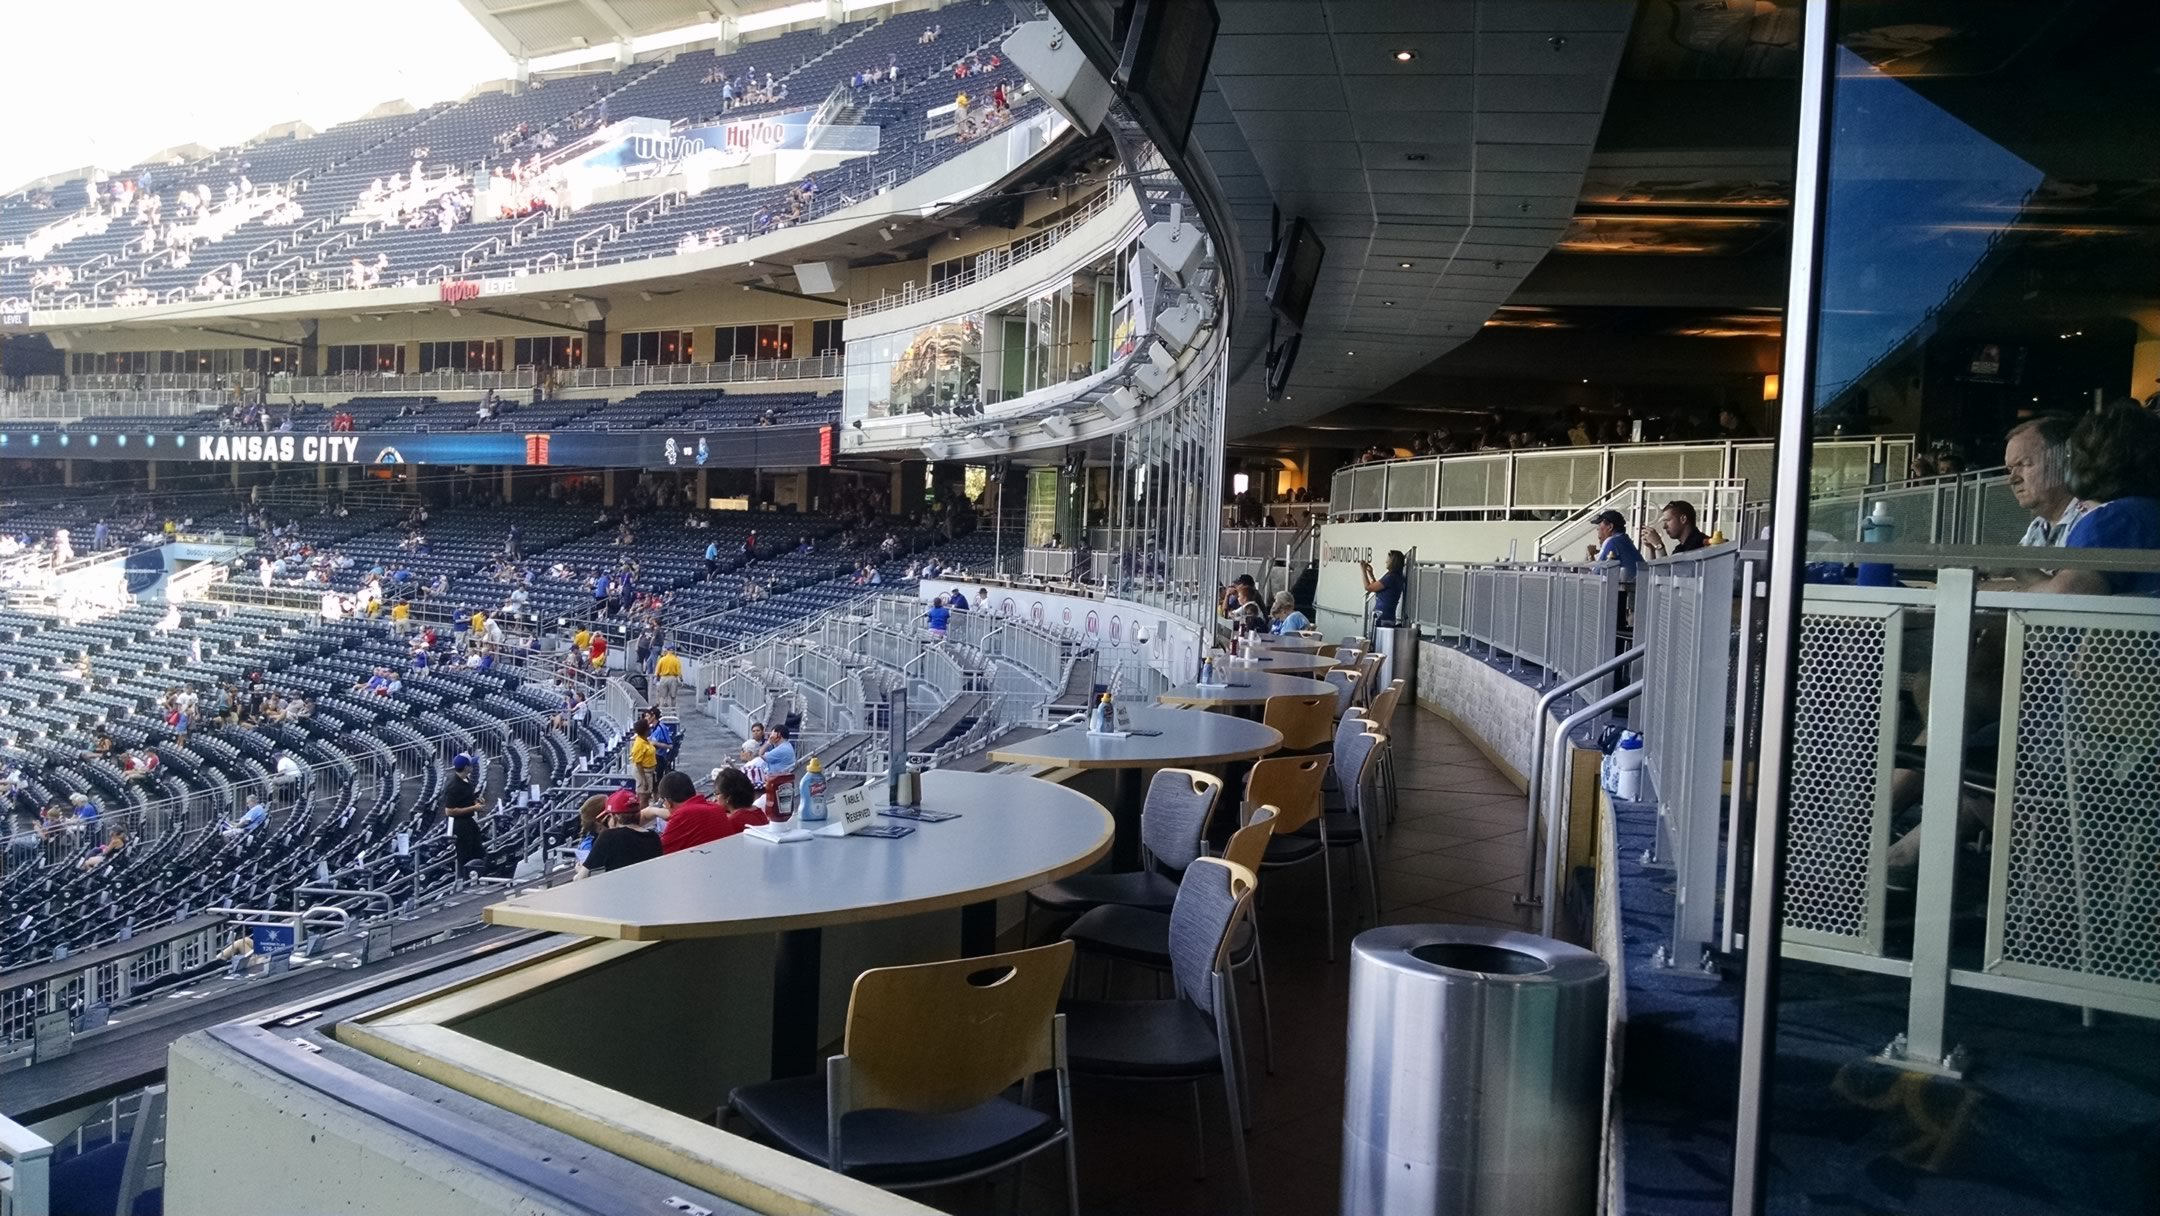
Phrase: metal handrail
(1556,831)
(25,1170)
(989,261)
(1529,897)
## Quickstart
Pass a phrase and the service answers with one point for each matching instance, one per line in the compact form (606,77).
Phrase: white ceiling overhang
(531,29)
(1435,182)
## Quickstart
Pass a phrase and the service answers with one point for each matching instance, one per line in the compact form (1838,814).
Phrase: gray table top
(1186,738)
(1294,642)
(1285,662)
(1248,686)
(1013,833)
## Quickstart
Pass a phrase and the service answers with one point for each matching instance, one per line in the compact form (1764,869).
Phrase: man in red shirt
(691,821)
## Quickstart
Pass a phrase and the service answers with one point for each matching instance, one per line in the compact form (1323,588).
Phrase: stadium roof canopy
(533,29)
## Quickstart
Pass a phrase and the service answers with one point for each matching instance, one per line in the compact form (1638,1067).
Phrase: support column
(703,496)
(607,487)
(150,474)
(509,483)
(67,472)
(344,478)
(235,474)
(2145,364)
(322,477)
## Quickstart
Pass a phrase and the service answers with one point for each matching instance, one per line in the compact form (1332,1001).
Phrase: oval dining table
(1012,833)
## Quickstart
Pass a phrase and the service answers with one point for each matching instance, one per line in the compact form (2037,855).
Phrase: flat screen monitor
(1280,360)
(1163,64)
(1295,273)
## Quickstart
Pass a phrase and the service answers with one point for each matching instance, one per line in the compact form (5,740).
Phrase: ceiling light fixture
(1405,56)
(1402,265)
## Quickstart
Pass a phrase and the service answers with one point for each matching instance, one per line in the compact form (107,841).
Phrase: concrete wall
(1492,705)
(241,1140)
(1341,596)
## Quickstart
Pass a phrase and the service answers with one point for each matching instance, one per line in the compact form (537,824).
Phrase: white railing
(1563,479)
(406,382)
(2060,813)
(1975,508)
(201,381)
(25,1171)
(1557,618)
(990,261)
(824,366)
(1719,507)
(61,406)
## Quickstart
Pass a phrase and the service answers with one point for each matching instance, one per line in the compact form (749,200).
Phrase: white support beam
(494,26)
(610,18)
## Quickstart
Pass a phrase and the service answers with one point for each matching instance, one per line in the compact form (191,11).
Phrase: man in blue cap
(461,803)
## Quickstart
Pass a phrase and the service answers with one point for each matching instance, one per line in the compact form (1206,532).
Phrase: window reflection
(1968,997)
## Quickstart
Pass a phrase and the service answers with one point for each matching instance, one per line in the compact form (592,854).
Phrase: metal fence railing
(1561,480)
(25,1170)
(991,261)
(1552,619)
(1684,622)
(1975,508)
(2042,752)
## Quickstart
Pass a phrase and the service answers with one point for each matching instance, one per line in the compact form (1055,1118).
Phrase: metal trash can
(1476,1074)
(1397,645)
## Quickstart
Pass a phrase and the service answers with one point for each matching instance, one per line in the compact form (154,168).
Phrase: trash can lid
(1476,953)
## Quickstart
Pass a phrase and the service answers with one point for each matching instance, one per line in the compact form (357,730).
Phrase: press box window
(656,346)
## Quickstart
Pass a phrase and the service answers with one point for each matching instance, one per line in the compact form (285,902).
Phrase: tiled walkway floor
(1455,855)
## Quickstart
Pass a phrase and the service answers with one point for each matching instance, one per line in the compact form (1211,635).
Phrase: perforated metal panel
(1558,480)
(1756,466)
(1838,822)
(1425,595)
(1646,464)
(1368,483)
(1473,483)
(1452,582)
(1507,610)
(1410,485)
(2075,890)
(1477,606)
(1535,625)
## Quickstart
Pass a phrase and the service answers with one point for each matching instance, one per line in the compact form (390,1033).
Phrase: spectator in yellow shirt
(400,616)
(644,761)
(669,669)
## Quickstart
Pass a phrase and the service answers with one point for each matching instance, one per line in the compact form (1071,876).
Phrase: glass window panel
(1967,1013)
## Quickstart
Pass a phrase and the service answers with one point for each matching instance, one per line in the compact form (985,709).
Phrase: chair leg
(1267,1014)
(1372,876)
(1394,794)
(1199,1127)
(1233,1030)
(1072,1174)
(1327,882)
(1234,1101)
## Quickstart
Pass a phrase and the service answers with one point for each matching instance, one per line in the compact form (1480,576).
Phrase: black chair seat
(1139,935)
(1342,828)
(894,1147)
(1288,850)
(1135,888)
(1165,1039)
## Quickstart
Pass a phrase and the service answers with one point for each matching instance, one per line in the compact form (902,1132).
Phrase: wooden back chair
(1306,722)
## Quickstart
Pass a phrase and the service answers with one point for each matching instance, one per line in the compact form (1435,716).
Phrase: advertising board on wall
(747,448)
